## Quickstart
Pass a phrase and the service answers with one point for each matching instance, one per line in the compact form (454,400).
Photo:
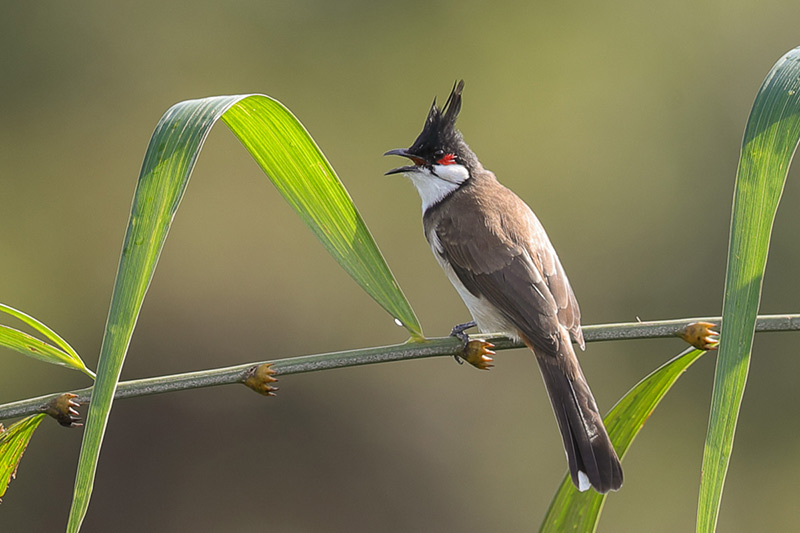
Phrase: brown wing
(522,276)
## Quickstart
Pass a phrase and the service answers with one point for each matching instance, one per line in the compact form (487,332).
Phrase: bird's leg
(458,331)
(476,352)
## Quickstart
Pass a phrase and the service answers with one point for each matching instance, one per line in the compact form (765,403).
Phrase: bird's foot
(476,352)
(458,331)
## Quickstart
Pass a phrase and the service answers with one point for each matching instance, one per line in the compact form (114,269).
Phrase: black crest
(440,133)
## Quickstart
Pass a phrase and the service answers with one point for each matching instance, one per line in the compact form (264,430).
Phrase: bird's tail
(591,456)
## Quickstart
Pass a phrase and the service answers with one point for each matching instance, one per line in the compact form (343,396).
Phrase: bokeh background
(619,122)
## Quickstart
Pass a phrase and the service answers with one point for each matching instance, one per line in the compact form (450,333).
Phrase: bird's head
(440,158)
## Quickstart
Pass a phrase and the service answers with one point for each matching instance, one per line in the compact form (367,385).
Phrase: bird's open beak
(408,168)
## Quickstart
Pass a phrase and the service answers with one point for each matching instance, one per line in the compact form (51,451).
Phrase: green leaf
(572,510)
(31,346)
(770,140)
(301,173)
(13,442)
(305,178)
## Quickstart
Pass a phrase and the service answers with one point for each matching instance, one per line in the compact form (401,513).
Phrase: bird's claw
(701,335)
(458,331)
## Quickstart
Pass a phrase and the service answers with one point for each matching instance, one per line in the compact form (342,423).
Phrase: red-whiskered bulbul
(498,257)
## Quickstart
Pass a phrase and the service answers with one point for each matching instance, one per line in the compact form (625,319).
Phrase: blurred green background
(619,122)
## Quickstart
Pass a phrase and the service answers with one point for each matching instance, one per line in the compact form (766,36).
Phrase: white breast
(434,185)
(485,315)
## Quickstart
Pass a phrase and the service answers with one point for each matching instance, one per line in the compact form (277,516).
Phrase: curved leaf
(572,510)
(305,178)
(769,143)
(301,173)
(13,442)
(31,346)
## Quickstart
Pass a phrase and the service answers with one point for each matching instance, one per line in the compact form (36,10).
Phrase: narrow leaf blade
(19,341)
(32,347)
(308,182)
(769,143)
(572,510)
(318,197)
(168,163)
(13,442)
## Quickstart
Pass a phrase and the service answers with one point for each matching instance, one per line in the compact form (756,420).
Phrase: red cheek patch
(448,159)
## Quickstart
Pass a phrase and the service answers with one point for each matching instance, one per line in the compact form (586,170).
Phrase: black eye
(438,154)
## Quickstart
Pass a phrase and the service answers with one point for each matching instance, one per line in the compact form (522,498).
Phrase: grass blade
(310,185)
(769,143)
(13,442)
(19,341)
(572,510)
(38,349)
(300,172)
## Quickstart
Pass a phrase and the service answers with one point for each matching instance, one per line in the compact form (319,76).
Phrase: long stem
(445,346)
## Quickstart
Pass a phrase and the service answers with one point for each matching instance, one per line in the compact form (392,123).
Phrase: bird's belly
(485,315)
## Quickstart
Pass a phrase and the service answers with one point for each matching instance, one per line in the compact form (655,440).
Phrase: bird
(501,262)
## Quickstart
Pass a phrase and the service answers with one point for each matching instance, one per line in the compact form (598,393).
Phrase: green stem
(444,346)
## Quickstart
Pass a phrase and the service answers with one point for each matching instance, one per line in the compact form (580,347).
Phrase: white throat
(433,185)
